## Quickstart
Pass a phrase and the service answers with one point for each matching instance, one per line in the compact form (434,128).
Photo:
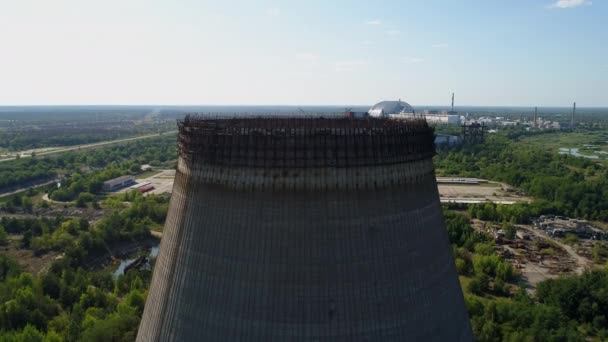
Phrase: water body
(575,152)
(123,263)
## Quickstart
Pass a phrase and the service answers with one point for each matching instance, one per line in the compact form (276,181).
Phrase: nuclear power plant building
(401,110)
(305,229)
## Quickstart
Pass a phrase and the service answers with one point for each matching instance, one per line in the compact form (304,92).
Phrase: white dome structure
(386,108)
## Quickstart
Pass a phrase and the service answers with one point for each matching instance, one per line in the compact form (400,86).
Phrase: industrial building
(305,229)
(118,183)
(441,117)
(403,111)
(391,108)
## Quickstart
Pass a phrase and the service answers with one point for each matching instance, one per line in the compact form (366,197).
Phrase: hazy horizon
(341,106)
(544,53)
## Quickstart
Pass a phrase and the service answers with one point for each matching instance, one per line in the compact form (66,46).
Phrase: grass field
(587,143)
(568,139)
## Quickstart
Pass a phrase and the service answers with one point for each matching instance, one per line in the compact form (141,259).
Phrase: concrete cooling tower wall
(305,230)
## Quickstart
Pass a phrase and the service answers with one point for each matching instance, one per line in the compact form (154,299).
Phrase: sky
(317,52)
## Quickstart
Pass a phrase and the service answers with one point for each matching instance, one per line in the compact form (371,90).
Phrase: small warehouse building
(118,183)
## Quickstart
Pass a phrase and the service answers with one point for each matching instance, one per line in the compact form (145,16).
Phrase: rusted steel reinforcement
(303,142)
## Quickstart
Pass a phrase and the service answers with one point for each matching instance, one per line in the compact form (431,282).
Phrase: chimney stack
(452,102)
(573,112)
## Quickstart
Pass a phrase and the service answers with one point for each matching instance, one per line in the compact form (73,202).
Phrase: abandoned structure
(401,110)
(305,229)
(118,183)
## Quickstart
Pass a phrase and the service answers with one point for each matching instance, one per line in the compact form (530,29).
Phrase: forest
(21,172)
(74,301)
(24,128)
(563,184)
(571,308)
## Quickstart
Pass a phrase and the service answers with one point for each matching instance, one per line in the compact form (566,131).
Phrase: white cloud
(348,65)
(412,60)
(569,3)
(393,32)
(307,56)
(273,11)
(374,22)
(440,45)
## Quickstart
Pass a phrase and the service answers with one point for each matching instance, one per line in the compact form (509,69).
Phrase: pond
(575,152)
(123,263)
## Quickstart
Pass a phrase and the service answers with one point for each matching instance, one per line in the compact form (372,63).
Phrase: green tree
(504,271)
(479,284)
(484,249)
(3,236)
(599,252)
(135,168)
(571,239)
(509,230)
(26,204)
(461,266)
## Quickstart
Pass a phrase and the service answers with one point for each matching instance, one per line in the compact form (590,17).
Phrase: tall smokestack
(535,116)
(285,229)
(573,112)
(452,102)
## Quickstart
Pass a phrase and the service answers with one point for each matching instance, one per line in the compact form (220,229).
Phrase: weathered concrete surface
(243,259)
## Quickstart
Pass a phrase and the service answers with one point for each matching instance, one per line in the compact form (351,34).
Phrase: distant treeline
(31,137)
(554,113)
(72,113)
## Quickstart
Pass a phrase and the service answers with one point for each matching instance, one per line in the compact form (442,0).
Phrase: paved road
(94,145)
(27,188)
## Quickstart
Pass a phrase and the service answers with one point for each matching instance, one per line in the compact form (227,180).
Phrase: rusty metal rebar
(303,142)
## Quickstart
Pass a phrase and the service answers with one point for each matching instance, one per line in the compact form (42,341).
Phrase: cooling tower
(305,229)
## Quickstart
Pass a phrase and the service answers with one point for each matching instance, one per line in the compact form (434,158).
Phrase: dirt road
(581,262)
